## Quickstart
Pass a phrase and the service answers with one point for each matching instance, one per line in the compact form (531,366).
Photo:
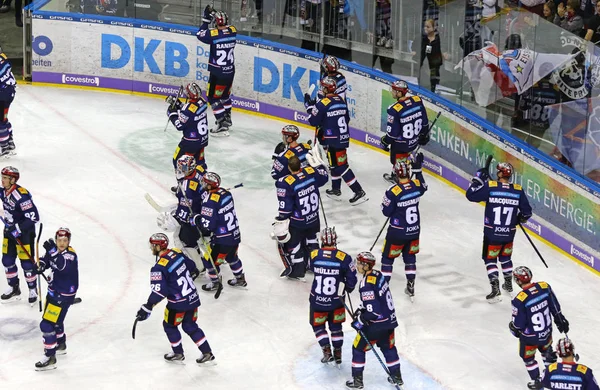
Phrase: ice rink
(89,157)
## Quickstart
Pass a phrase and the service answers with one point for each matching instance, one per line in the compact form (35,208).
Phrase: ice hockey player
(189,196)
(407,126)
(20,217)
(330,116)
(297,225)
(190,118)
(568,374)
(375,322)
(401,205)
(506,205)
(217,219)
(8,86)
(331,267)
(172,277)
(62,261)
(290,134)
(221,65)
(330,67)
(532,313)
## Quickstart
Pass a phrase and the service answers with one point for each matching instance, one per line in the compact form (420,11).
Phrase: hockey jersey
(331,115)
(504,203)
(221,61)
(7,79)
(406,120)
(569,376)
(298,196)
(171,278)
(192,120)
(280,164)
(19,208)
(330,267)
(401,204)
(63,281)
(341,86)
(377,301)
(219,217)
(190,188)
(532,312)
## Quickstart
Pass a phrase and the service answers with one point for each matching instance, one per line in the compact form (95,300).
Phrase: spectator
(568,19)
(593,26)
(535,6)
(587,8)
(431,48)
(491,8)
(383,16)
(550,11)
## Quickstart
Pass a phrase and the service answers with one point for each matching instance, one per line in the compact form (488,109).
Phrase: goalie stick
(162,209)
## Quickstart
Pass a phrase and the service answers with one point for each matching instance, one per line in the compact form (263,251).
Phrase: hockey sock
(49,337)
(392,360)
(61,337)
(358,361)
(507,266)
(321,335)
(12,277)
(410,267)
(174,337)
(236,267)
(337,336)
(532,369)
(212,273)
(492,269)
(218,110)
(336,183)
(351,181)
(30,277)
(227,105)
(387,265)
(197,335)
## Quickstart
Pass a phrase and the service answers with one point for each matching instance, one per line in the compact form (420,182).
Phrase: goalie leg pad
(281,231)
(167,222)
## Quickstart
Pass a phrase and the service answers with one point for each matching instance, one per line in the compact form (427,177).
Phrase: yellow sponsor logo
(52,313)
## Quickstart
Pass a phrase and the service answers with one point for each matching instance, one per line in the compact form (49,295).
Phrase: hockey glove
(349,290)
(144,313)
(476,182)
(13,230)
(514,330)
(417,163)
(424,138)
(207,17)
(314,159)
(523,218)
(280,148)
(195,273)
(561,323)
(308,101)
(385,143)
(281,230)
(50,247)
(320,137)
(483,174)
(357,324)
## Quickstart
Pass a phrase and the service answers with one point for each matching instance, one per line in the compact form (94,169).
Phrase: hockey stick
(430,127)
(37,263)
(172,105)
(533,245)
(219,277)
(133,329)
(372,348)
(378,235)
(23,248)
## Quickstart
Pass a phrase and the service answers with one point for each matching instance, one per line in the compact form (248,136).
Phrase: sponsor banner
(271,78)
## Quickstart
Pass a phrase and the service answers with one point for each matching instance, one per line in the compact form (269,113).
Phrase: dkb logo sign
(267,78)
(117,52)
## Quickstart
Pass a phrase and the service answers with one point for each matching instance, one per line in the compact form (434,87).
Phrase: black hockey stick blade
(219,288)
(77,300)
(133,329)
(488,162)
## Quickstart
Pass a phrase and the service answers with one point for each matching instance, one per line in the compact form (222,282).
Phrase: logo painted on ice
(267,77)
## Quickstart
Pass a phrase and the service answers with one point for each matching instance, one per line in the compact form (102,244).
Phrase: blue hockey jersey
(63,280)
(401,204)
(221,61)
(569,376)
(192,120)
(533,310)
(330,267)
(280,164)
(219,217)
(406,119)
(19,208)
(377,301)
(331,115)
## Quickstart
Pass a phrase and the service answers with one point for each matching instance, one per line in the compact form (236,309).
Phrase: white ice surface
(89,157)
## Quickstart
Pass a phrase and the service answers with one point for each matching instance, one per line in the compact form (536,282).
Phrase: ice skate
(327,356)
(47,363)
(534,385)
(13,293)
(33,297)
(410,290)
(494,296)
(396,379)
(334,194)
(207,359)
(507,285)
(337,355)
(12,149)
(227,120)
(355,383)
(390,178)
(212,286)
(239,281)
(358,198)
(61,349)
(173,357)
(222,129)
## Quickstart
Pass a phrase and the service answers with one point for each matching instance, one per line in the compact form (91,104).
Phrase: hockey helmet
(329,237)
(290,131)
(330,64)
(522,275)
(565,348)
(505,169)
(63,232)
(186,165)
(211,179)
(193,92)
(402,169)
(221,18)
(328,85)
(159,239)
(366,257)
(400,86)
(11,171)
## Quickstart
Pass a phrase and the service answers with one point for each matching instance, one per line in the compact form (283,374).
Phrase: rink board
(155,58)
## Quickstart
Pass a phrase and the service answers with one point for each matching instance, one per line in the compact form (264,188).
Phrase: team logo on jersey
(515,311)
(390,119)
(206,211)
(386,202)
(281,192)
(155,276)
(182,117)
(367,295)
(26,205)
